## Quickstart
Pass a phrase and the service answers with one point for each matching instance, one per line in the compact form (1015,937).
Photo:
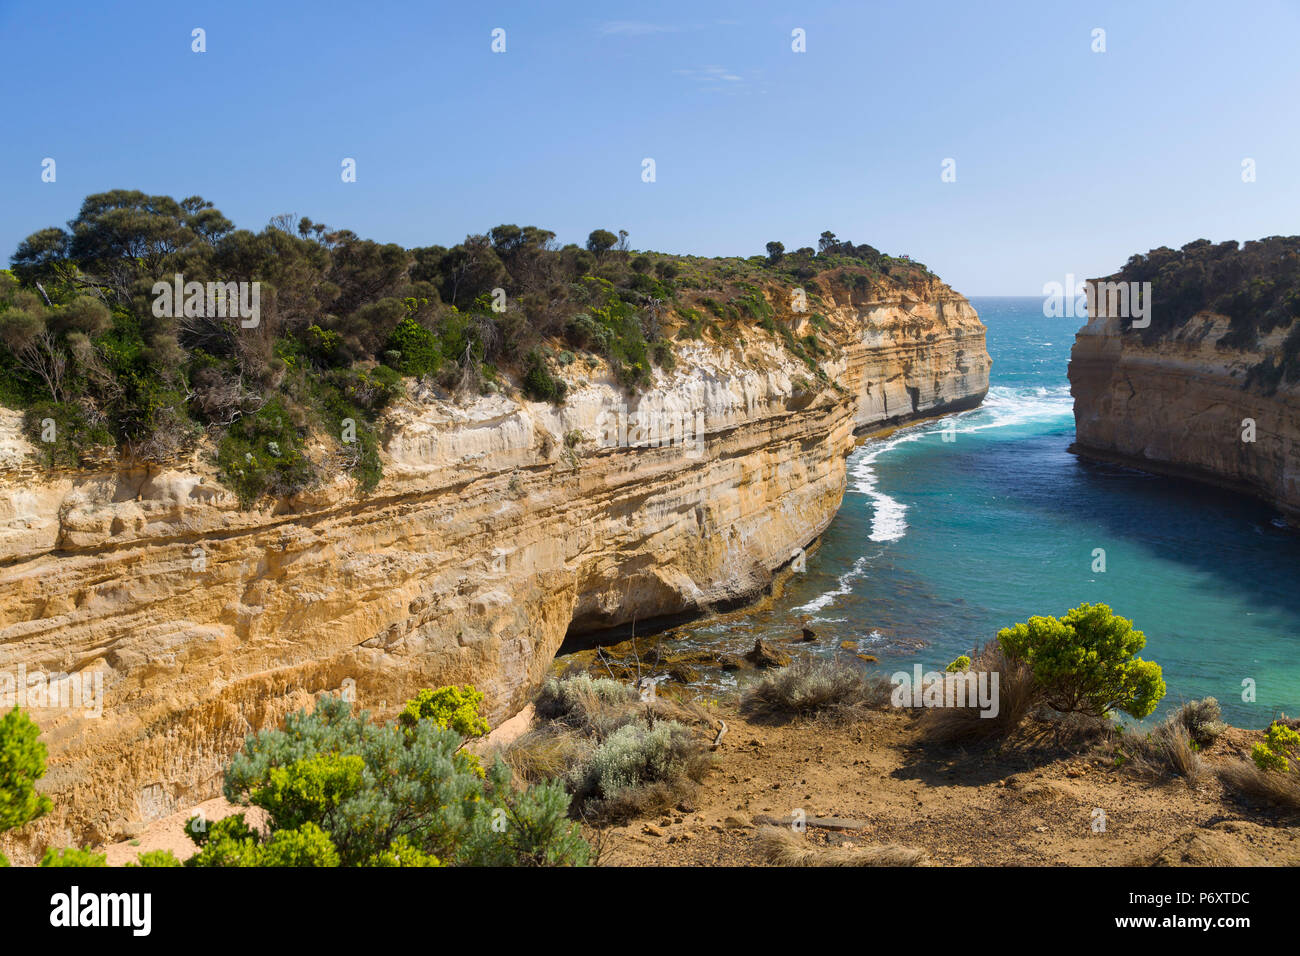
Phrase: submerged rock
(764,655)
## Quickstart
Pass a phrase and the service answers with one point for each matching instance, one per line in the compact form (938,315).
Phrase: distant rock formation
(1210,389)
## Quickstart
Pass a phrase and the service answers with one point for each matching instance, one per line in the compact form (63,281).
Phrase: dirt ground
(870,783)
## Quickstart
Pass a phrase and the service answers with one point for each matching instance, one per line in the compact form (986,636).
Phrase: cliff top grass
(279,350)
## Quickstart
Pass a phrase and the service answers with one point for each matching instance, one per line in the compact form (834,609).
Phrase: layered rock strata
(499,527)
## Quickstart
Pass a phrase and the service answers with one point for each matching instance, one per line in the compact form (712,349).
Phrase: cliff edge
(1210,388)
(500,525)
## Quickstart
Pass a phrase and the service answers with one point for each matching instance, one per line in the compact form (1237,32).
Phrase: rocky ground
(873,782)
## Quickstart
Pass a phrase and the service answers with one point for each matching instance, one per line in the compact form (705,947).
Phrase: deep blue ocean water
(941,543)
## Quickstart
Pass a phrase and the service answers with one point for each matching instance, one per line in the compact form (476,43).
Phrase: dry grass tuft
(815,688)
(1203,720)
(1277,789)
(619,755)
(1018,697)
(593,707)
(1167,751)
(783,847)
(545,753)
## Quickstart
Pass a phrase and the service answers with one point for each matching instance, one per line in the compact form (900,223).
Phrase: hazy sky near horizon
(1066,160)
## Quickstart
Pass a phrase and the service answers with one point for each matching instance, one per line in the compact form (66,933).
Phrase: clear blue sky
(1067,160)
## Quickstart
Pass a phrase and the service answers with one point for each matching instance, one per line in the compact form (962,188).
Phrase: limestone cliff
(1193,397)
(499,527)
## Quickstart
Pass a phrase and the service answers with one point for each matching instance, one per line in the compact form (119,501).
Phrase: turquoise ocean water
(939,544)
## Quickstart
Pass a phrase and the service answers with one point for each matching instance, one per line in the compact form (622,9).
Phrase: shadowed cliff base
(1190,474)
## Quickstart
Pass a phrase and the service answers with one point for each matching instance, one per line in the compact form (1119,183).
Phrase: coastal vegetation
(1272,776)
(1255,284)
(334,788)
(619,752)
(809,688)
(103,367)
(338,789)
(22,763)
(1076,671)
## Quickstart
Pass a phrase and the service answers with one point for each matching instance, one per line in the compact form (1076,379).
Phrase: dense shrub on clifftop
(100,365)
(1255,284)
(340,790)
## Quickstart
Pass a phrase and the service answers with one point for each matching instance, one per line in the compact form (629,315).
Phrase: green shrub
(585,332)
(539,384)
(307,845)
(263,454)
(325,346)
(401,853)
(63,436)
(350,792)
(22,763)
(1281,745)
(1084,662)
(155,858)
(645,765)
(418,348)
(73,857)
(528,827)
(456,708)
(229,841)
(959,666)
(309,789)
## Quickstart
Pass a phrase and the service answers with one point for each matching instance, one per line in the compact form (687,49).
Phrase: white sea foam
(842,587)
(889,516)
(1003,407)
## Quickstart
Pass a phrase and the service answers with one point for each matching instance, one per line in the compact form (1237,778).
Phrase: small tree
(600,242)
(1084,662)
(22,763)
(775,250)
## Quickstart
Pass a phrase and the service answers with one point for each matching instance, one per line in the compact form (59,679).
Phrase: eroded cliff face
(499,527)
(1184,405)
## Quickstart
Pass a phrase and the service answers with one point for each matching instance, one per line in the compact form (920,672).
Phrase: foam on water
(1003,407)
(970,536)
(843,586)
